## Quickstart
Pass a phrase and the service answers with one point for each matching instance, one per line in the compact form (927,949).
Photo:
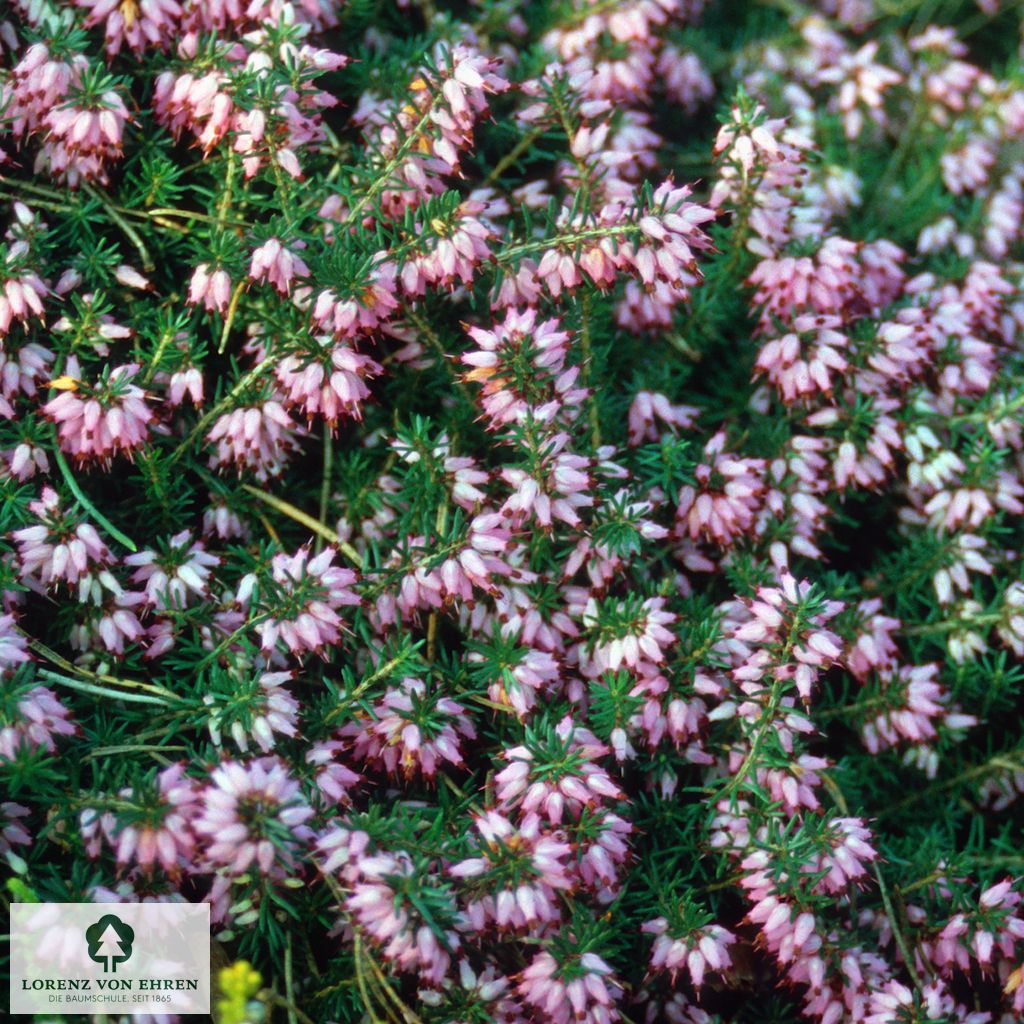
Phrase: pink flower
(40,719)
(556,490)
(788,932)
(519,337)
(904,346)
(161,833)
(221,521)
(513,882)
(702,949)
(131,278)
(963,557)
(602,849)
(582,989)
(179,573)
(485,988)
(203,104)
(11,829)
(727,492)
(524,675)
(137,23)
(452,258)
(670,235)
(97,421)
(804,363)
(652,308)
(85,132)
(762,156)
(252,815)
(110,618)
(451,100)
(650,408)
(41,83)
(334,779)
(58,547)
(794,785)
(873,648)
(186,382)
(22,373)
(865,458)
(303,602)
(967,169)
(26,460)
(212,288)
(21,295)
(685,79)
(412,731)
(576,785)
(344,848)
(13,645)
(862,84)
(257,437)
(277,265)
(789,620)
(369,305)
(789,286)
(915,702)
(381,906)
(1011,629)
(471,76)
(952,508)
(260,708)
(850,850)
(984,295)
(331,385)
(626,632)
(476,565)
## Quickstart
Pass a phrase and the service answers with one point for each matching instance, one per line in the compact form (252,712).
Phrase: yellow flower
(238,984)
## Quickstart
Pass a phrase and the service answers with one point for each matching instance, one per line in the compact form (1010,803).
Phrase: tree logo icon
(110,942)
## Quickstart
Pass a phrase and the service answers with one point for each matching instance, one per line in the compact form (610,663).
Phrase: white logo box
(110,958)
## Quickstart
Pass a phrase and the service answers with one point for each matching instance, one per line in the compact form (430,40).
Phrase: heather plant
(519,504)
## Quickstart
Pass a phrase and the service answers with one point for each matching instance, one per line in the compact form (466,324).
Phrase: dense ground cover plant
(519,505)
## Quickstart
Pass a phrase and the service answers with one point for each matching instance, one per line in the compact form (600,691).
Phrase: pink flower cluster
(77,112)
